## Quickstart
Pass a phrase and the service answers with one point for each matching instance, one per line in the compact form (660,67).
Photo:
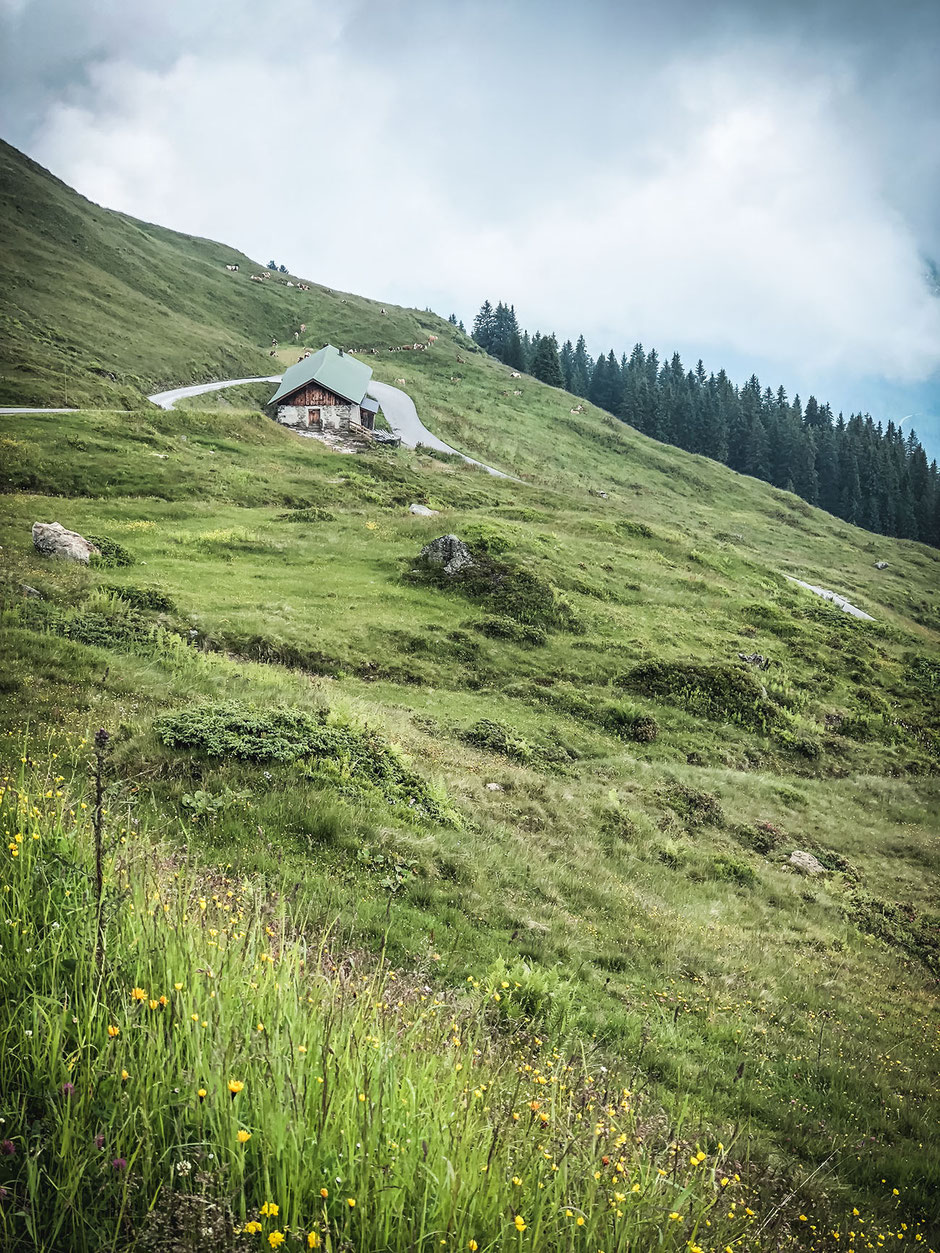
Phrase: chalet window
(313,417)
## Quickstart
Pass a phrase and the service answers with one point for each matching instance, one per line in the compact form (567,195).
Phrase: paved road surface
(402,417)
(398,407)
(166,400)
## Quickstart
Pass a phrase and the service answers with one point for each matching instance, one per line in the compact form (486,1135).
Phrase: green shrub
(696,808)
(733,870)
(498,738)
(718,692)
(762,837)
(112,553)
(506,629)
(147,596)
(350,759)
(902,926)
(312,514)
(508,589)
(483,537)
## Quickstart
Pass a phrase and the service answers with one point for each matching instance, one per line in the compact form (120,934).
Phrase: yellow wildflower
(243,1137)
(113,1031)
(138,994)
(235,1086)
(269,1209)
(313,1240)
(252,1227)
(520,1223)
(276,1239)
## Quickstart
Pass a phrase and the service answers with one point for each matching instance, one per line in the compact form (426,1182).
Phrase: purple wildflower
(7,1148)
(120,1163)
(68,1088)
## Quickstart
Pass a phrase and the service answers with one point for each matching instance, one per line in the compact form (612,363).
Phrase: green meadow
(479,887)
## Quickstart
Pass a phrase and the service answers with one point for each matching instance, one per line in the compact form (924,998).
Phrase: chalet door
(313,417)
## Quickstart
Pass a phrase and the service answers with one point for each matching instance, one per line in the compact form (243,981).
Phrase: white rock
(51,539)
(422,511)
(806,863)
(494,787)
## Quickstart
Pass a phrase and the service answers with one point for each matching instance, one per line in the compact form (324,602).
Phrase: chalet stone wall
(332,417)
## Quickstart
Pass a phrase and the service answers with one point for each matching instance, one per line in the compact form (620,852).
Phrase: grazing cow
(266,273)
(384,312)
(296,335)
(517,393)
(272,353)
(303,327)
(460,359)
(515,375)
(273,342)
(432,339)
(399,380)
(289,283)
(233,268)
(256,278)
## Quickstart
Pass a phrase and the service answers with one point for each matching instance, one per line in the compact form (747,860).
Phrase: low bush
(312,514)
(694,807)
(498,738)
(718,692)
(510,590)
(733,870)
(349,758)
(113,554)
(146,597)
(498,628)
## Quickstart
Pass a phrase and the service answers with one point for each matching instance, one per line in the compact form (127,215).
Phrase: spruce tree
(545,363)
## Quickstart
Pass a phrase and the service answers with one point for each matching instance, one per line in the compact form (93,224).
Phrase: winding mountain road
(398,407)
(402,416)
(166,400)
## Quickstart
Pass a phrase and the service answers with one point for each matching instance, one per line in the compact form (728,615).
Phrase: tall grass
(222,1075)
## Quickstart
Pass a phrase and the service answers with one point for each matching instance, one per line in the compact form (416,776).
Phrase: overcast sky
(755,183)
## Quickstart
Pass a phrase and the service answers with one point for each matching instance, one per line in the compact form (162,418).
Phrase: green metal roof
(337,371)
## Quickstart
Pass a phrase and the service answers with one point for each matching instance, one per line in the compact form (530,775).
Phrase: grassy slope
(671,937)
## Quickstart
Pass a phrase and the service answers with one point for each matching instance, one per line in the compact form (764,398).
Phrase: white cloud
(729,205)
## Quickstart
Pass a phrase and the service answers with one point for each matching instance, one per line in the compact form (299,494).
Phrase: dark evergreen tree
(581,368)
(545,363)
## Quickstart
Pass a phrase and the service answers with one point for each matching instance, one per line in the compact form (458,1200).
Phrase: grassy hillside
(411,857)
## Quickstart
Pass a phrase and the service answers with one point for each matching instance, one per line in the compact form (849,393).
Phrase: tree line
(871,475)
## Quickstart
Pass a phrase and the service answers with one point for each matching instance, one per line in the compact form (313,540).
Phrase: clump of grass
(508,589)
(312,514)
(165,1096)
(146,596)
(113,554)
(715,691)
(502,628)
(496,737)
(695,807)
(339,753)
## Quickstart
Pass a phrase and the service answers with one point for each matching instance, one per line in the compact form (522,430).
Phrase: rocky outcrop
(51,539)
(449,553)
(422,511)
(806,863)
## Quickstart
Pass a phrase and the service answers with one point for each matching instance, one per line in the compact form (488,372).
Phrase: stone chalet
(326,392)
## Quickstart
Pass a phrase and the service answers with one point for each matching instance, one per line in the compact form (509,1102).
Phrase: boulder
(806,863)
(755,659)
(30,591)
(51,539)
(422,511)
(448,552)
(881,565)
(494,787)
